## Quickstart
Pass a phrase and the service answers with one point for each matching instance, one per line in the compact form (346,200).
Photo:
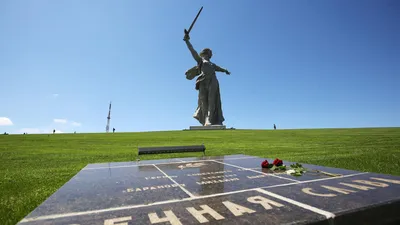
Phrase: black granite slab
(237,208)
(131,190)
(368,198)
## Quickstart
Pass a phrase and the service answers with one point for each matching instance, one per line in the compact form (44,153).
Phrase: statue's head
(206,53)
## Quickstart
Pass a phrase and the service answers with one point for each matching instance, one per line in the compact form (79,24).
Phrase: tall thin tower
(108,118)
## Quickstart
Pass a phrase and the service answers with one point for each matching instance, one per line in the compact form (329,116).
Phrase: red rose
(264,164)
(278,162)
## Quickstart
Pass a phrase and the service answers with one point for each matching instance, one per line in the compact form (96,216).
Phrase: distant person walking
(274,127)
(113,130)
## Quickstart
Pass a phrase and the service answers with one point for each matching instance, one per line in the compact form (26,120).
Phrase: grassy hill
(32,167)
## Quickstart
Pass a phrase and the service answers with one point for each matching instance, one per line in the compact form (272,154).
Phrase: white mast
(108,118)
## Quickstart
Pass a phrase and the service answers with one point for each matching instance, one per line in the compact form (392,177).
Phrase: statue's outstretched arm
(220,69)
(194,53)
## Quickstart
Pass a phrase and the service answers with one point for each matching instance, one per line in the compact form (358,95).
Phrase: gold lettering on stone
(256,176)
(372,183)
(360,187)
(236,209)
(198,214)
(340,190)
(158,177)
(208,173)
(264,202)
(220,176)
(152,188)
(309,192)
(217,181)
(116,221)
(169,217)
(387,180)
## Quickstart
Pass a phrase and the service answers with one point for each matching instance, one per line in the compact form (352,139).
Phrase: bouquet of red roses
(276,164)
(295,169)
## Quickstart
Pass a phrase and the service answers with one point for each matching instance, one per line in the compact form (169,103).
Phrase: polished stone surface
(211,177)
(94,189)
(225,157)
(311,174)
(131,191)
(127,164)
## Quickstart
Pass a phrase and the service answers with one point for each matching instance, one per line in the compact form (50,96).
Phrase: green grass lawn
(33,167)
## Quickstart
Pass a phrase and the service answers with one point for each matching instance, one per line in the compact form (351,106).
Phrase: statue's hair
(206,51)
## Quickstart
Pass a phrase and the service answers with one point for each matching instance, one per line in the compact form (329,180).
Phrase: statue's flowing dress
(209,109)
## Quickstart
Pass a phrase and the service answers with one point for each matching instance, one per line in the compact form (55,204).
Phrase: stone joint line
(183,189)
(327,214)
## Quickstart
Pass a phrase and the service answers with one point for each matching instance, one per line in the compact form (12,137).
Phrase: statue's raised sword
(194,21)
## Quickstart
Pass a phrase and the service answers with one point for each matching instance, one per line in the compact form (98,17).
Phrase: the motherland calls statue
(209,109)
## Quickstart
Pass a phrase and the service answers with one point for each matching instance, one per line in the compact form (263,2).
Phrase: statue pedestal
(212,127)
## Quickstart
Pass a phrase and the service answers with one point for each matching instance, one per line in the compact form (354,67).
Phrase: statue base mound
(212,127)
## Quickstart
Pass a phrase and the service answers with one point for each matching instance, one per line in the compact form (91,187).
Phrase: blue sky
(299,64)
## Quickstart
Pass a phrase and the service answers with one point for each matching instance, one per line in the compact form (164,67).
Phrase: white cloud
(31,130)
(76,124)
(37,131)
(60,120)
(4,121)
(59,125)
